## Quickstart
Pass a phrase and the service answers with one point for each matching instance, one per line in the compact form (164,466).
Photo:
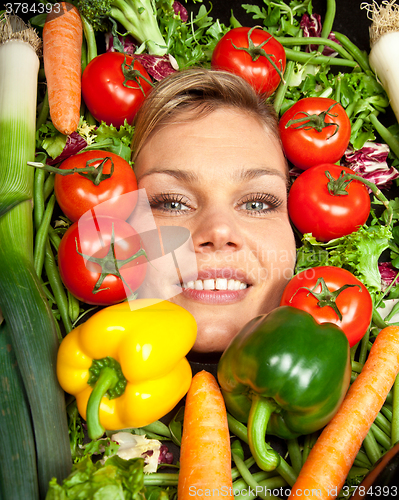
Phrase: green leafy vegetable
(117,479)
(357,252)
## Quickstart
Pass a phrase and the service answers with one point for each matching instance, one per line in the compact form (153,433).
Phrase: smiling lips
(217,286)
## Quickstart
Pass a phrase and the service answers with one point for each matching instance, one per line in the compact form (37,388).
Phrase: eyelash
(157,201)
(264,198)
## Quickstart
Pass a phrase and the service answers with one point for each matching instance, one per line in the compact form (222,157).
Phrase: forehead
(223,137)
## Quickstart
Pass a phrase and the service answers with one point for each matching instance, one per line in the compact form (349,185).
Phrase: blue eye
(174,205)
(255,205)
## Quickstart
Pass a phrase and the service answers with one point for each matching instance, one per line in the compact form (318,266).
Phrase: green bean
(363,347)
(282,88)
(240,484)
(383,423)
(44,112)
(356,53)
(371,447)
(48,187)
(362,456)
(328,21)
(357,367)
(395,413)
(161,478)
(387,412)
(313,58)
(73,307)
(267,484)
(54,238)
(385,134)
(380,436)
(310,440)
(247,476)
(38,199)
(295,454)
(249,462)
(311,40)
(90,39)
(41,237)
(57,287)
(240,431)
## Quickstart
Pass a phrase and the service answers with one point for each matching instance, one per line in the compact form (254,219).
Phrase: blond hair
(199,91)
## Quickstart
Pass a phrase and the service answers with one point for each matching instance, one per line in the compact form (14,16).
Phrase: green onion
(30,323)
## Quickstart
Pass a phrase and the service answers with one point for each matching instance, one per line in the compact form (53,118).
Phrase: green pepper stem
(107,380)
(259,416)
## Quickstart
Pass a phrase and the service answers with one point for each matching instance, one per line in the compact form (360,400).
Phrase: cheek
(275,252)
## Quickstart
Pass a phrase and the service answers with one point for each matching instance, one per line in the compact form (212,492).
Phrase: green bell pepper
(286,375)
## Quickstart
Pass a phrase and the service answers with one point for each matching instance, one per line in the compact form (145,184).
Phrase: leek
(384,42)
(30,323)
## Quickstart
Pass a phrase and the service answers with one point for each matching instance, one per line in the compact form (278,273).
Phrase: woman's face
(224,178)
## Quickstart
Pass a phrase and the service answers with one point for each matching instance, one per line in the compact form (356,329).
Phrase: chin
(214,336)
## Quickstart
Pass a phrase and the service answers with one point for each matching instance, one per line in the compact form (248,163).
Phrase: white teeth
(221,284)
(209,284)
(198,285)
(231,285)
(218,284)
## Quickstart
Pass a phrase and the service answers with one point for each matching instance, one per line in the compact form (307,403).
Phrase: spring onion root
(384,42)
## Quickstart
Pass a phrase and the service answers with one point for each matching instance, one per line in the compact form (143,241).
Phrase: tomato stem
(132,74)
(256,51)
(315,121)
(94,174)
(326,297)
(345,176)
(110,264)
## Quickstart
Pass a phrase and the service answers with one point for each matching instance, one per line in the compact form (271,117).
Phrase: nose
(217,231)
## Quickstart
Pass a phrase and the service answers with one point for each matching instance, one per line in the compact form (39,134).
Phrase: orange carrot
(205,455)
(325,470)
(62,46)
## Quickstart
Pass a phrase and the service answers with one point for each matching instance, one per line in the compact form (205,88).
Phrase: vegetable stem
(395,413)
(328,21)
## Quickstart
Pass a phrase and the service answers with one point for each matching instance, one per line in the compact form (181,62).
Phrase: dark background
(349,19)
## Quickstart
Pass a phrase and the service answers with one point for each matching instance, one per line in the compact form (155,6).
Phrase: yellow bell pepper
(126,364)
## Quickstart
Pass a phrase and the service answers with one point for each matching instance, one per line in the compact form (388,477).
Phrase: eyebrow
(242,175)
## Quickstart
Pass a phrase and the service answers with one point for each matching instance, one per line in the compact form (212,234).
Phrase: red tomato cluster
(114,86)
(314,130)
(87,265)
(315,207)
(354,303)
(76,194)
(253,54)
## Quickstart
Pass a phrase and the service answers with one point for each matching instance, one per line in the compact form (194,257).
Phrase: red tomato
(259,70)
(76,194)
(306,146)
(354,303)
(93,237)
(106,95)
(313,209)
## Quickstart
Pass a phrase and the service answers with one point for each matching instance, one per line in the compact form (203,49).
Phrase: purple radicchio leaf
(127,42)
(370,163)
(157,66)
(74,144)
(178,8)
(165,456)
(388,274)
(311,27)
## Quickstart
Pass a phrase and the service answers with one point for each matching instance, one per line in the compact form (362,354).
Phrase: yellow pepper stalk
(126,364)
